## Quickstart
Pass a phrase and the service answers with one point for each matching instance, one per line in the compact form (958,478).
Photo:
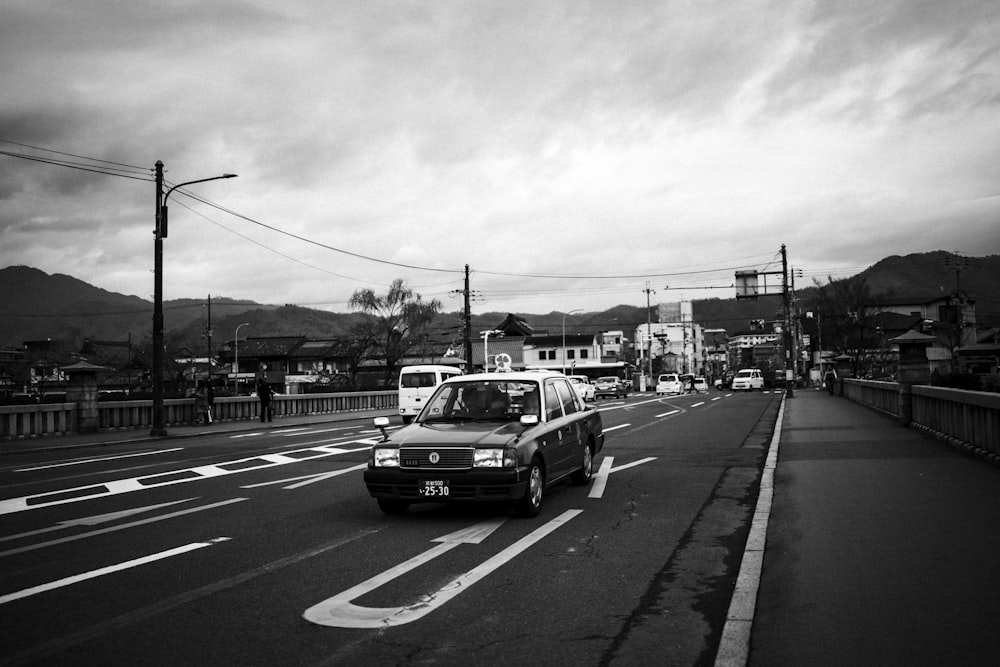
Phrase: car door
(567,428)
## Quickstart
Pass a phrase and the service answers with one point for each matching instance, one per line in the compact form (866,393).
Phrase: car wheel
(583,476)
(531,503)
(392,506)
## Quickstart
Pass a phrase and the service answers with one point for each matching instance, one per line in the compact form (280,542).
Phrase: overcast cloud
(625,144)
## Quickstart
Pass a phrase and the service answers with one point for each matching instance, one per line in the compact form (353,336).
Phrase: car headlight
(384,457)
(493,457)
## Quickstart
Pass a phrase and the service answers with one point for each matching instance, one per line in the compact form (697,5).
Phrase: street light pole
(564,336)
(236,361)
(486,353)
(160,233)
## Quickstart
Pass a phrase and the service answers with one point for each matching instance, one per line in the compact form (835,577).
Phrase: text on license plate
(434,488)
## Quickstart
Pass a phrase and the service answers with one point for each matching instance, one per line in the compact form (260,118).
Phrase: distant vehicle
(668,383)
(583,387)
(700,385)
(417,383)
(610,385)
(487,437)
(748,379)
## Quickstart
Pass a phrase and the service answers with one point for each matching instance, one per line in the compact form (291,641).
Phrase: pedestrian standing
(201,402)
(210,392)
(264,394)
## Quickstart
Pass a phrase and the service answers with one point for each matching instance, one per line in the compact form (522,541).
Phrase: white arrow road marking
(93,520)
(93,574)
(98,459)
(600,482)
(112,529)
(601,478)
(340,612)
(634,463)
(309,478)
(103,489)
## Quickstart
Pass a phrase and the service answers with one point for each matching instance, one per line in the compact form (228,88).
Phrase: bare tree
(393,321)
(850,321)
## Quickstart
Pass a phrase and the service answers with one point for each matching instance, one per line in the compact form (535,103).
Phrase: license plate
(434,488)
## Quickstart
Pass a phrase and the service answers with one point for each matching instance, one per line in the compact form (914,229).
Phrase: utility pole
(468,324)
(787,333)
(649,336)
(158,429)
(208,336)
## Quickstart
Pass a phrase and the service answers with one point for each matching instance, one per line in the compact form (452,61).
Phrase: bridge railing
(968,420)
(26,421)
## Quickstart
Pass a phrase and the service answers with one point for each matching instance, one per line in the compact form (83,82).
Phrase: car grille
(449,458)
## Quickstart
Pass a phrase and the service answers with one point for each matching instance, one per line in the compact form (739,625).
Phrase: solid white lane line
(93,574)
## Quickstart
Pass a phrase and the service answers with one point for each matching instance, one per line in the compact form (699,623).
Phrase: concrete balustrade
(27,421)
(967,420)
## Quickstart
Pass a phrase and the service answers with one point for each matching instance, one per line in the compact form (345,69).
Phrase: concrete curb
(734,647)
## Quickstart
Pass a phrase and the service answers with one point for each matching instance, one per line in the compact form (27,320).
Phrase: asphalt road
(263,548)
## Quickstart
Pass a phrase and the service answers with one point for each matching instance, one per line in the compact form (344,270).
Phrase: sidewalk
(882,545)
(124,436)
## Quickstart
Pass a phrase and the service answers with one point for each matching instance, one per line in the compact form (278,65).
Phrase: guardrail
(27,421)
(967,420)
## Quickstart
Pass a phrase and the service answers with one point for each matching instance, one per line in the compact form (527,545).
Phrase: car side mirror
(381,423)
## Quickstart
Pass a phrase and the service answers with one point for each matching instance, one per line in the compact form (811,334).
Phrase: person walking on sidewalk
(265,395)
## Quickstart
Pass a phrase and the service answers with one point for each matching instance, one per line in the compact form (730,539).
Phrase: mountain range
(35,305)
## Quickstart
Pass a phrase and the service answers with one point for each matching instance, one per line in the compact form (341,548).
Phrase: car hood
(469,434)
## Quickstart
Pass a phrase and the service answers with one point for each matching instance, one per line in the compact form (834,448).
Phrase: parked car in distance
(487,437)
(668,383)
(610,385)
(748,379)
(700,385)
(582,385)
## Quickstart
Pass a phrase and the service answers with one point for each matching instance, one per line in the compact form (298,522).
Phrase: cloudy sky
(571,153)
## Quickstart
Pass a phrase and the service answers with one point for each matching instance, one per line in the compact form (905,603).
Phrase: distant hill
(35,305)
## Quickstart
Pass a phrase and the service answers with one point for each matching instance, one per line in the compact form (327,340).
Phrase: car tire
(530,504)
(393,506)
(585,474)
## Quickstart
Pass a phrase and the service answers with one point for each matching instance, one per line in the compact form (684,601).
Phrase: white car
(748,379)
(700,385)
(668,383)
(583,387)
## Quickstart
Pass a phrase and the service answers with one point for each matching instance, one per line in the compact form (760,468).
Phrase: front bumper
(463,485)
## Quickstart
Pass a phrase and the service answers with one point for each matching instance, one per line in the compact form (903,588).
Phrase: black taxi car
(488,437)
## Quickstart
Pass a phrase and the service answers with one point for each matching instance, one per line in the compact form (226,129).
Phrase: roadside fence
(29,421)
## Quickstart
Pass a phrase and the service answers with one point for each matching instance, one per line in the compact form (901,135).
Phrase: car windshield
(609,378)
(483,400)
(743,374)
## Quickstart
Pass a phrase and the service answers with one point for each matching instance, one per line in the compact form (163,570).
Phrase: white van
(416,384)
(669,383)
(748,379)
